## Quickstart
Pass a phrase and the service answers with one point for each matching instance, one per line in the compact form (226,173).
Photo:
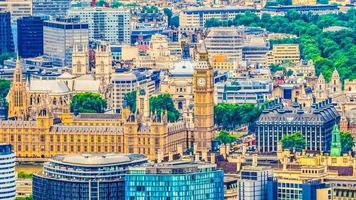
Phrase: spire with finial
(335,141)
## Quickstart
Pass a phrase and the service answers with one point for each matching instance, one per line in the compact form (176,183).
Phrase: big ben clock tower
(203,81)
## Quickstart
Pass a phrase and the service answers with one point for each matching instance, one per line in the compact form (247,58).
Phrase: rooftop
(96,159)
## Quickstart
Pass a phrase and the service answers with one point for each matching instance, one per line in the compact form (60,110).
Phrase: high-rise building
(53,8)
(175,181)
(29,37)
(315,124)
(203,87)
(17,8)
(59,38)
(107,24)
(6,39)
(7,171)
(85,176)
(226,41)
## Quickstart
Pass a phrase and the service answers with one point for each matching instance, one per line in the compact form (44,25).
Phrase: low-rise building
(284,53)
(243,91)
(314,123)
(85,176)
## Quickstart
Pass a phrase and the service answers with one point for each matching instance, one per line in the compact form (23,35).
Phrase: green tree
(130,99)
(24,175)
(4,87)
(88,102)
(168,12)
(229,116)
(347,142)
(116,4)
(24,198)
(101,3)
(225,138)
(164,103)
(6,55)
(294,141)
(174,21)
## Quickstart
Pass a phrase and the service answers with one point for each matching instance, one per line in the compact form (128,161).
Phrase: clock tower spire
(203,84)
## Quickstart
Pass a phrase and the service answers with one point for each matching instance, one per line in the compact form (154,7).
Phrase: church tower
(335,142)
(142,102)
(80,62)
(320,90)
(335,83)
(103,64)
(203,86)
(18,105)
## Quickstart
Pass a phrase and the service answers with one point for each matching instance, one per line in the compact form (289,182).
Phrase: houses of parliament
(62,133)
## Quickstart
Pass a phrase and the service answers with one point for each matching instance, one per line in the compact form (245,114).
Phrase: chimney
(212,158)
(254,160)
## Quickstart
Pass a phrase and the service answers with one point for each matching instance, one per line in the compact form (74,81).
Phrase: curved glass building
(85,176)
(7,173)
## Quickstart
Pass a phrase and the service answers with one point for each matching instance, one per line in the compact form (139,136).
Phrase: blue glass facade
(85,176)
(30,37)
(45,188)
(296,190)
(204,184)
(6,40)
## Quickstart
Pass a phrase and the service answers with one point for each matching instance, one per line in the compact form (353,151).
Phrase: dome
(183,68)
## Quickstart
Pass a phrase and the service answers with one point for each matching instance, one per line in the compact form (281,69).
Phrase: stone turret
(80,60)
(335,84)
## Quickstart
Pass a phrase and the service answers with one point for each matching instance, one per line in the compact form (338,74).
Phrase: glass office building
(175,181)
(30,36)
(6,41)
(7,172)
(85,176)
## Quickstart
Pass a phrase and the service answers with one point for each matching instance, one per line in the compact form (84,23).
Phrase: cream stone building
(283,53)
(179,84)
(140,132)
(161,54)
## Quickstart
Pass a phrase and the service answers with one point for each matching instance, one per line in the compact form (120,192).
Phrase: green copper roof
(335,142)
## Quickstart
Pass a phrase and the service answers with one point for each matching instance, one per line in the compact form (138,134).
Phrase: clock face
(201,82)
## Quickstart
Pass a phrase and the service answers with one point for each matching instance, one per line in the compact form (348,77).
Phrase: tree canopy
(327,49)
(225,137)
(4,88)
(149,9)
(6,55)
(294,141)
(130,99)
(229,116)
(347,142)
(88,102)
(162,103)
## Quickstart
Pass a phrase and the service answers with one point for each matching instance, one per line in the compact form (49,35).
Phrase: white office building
(60,36)
(226,41)
(252,184)
(7,172)
(106,24)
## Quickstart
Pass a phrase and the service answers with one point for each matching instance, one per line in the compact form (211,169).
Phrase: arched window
(180,105)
